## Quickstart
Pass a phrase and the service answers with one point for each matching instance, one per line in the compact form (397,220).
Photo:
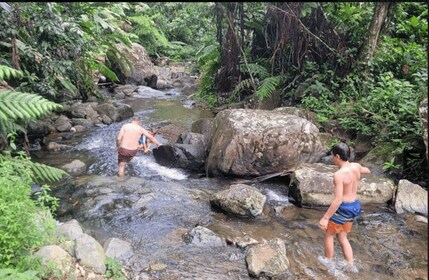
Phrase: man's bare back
(349,174)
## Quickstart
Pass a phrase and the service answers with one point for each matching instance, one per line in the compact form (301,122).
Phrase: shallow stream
(386,245)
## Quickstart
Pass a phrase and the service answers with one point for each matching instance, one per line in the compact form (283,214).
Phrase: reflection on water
(385,245)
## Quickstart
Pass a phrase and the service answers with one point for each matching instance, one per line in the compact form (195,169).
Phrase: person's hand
(323,223)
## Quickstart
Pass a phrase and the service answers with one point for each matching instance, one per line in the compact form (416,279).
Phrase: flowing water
(154,206)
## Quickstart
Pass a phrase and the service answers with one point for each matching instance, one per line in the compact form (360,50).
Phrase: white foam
(333,267)
(171,173)
(273,196)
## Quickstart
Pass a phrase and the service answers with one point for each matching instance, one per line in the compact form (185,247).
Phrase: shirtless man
(345,207)
(127,142)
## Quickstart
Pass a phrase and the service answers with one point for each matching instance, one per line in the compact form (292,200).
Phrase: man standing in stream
(345,207)
(127,142)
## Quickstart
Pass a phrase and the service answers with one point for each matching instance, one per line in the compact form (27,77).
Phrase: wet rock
(411,198)
(62,124)
(76,167)
(190,155)
(204,126)
(241,200)
(82,122)
(117,248)
(201,236)
(267,259)
(312,185)
(53,146)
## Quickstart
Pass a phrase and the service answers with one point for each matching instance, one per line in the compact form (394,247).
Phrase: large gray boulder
(260,142)
(312,184)
(268,259)
(411,198)
(141,65)
(241,200)
(115,111)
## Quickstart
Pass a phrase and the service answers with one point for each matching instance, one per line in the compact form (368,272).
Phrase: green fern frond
(40,173)
(257,70)
(8,126)
(268,86)
(247,83)
(26,106)
(7,72)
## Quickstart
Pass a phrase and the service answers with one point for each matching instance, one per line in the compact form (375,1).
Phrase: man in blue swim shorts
(345,207)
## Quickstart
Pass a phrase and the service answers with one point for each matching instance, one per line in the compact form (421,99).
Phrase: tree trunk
(369,47)
(228,74)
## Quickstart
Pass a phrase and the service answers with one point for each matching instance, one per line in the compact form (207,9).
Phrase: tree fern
(16,105)
(268,86)
(244,84)
(7,72)
(257,70)
(44,173)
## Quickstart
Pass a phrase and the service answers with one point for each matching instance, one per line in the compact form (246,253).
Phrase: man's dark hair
(342,150)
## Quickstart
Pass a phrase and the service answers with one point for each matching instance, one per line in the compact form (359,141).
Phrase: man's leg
(329,245)
(346,247)
(121,167)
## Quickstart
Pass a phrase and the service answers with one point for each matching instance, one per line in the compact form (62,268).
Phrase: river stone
(204,126)
(62,124)
(75,167)
(411,198)
(312,184)
(90,253)
(260,142)
(203,237)
(71,230)
(54,253)
(241,200)
(267,259)
(117,248)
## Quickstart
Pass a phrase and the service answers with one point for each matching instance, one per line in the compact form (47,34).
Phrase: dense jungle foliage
(361,64)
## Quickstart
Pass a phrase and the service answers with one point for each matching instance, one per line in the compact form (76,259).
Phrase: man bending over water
(127,142)
(345,207)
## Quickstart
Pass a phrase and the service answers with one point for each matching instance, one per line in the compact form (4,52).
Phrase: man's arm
(338,198)
(119,137)
(151,137)
(364,170)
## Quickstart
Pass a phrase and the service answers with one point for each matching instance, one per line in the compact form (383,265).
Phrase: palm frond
(26,106)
